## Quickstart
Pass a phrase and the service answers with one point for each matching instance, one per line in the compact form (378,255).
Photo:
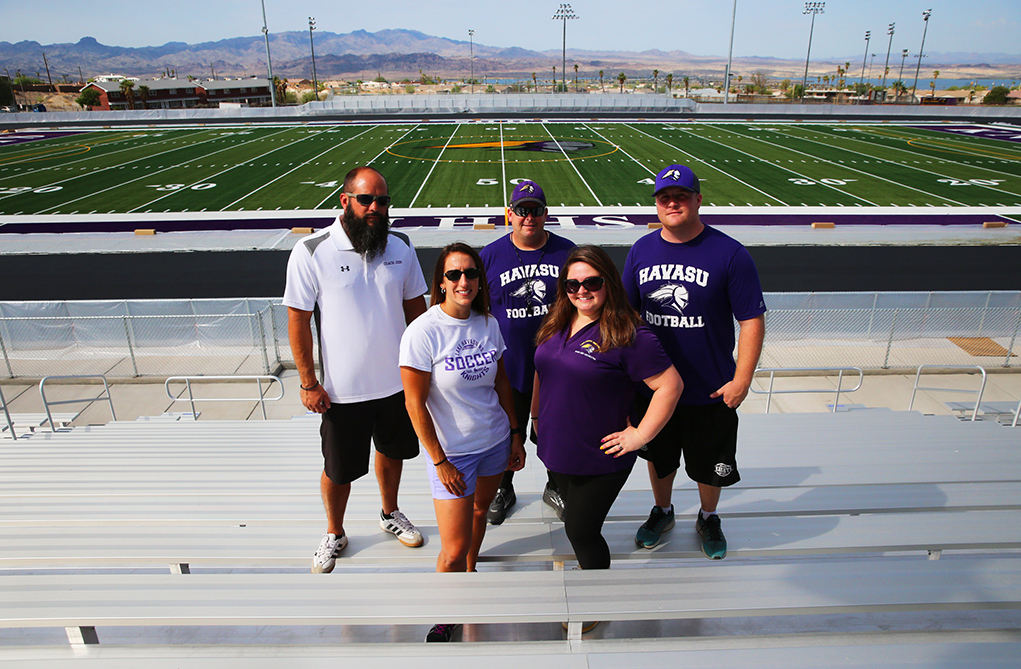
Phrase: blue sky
(776,28)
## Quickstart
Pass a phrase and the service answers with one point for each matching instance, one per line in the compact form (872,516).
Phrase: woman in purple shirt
(592,353)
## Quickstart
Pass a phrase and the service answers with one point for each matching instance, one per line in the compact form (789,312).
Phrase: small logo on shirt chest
(345,268)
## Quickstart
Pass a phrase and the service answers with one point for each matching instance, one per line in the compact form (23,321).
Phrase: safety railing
(191,399)
(815,371)
(7,414)
(968,369)
(105,395)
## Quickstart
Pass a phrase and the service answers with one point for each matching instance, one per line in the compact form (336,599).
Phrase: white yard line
(730,176)
(113,167)
(216,174)
(503,171)
(374,127)
(571,163)
(298,167)
(457,126)
(921,169)
(639,163)
(149,175)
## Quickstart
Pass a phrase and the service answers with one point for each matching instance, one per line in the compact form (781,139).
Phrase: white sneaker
(402,528)
(329,550)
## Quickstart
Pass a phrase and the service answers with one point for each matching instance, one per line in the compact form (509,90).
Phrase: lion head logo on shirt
(672,296)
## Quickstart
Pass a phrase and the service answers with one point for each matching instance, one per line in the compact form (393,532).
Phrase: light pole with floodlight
(471,57)
(315,82)
(900,77)
(269,61)
(564,13)
(812,8)
(886,68)
(861,82)
(921,52)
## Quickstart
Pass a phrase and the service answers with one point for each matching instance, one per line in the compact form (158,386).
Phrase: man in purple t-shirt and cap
(690,282)
(522,268)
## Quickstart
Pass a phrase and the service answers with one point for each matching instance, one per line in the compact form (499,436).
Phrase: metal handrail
(769,392)
(7,414)
(262,399)
(1017,412)
(47,403)
(971,370)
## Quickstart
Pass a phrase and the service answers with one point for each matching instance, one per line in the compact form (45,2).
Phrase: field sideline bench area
(168,525)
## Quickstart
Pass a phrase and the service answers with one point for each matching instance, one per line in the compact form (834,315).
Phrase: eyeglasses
(470,274)
(365,200)
(524,212)
(592,284)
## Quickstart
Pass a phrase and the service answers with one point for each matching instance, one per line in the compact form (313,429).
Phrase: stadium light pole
(886,68)
(269,61)
(563,14)
(812,8)
(921,52)
(900,77)
(861,82)
(730,54)
(311,43)
(471,57)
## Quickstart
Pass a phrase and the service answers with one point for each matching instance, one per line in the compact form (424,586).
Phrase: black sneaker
(504,500)
(714,544)
(554,500)
(441,632)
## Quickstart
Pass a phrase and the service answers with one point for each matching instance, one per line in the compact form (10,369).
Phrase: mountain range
(407,53)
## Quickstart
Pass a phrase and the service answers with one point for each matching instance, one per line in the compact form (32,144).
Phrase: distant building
(179,93)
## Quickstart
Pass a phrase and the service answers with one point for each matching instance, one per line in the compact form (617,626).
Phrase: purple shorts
(487,463)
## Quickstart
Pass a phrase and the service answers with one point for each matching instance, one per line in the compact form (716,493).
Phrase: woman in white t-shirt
(459,400)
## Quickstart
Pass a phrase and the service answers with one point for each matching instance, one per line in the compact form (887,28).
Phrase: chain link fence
(161,338)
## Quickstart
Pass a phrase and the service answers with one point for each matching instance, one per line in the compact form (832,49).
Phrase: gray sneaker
(329,550)
(555,501)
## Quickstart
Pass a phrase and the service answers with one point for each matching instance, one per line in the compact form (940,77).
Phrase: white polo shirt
(361,305)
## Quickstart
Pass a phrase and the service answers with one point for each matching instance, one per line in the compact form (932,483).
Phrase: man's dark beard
(368,240)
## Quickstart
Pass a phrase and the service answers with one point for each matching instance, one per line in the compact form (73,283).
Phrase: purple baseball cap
(527,191)
(676,176)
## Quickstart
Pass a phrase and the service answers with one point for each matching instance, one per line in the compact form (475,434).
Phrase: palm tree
(685,87)
(621,78)
(935,76)
(669,82)
(143,91)
(576,77)
(553,90)
(655,81)
(126,89)
(601,87)
(535,83)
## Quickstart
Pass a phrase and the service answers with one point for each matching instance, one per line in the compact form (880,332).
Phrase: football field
(263,167)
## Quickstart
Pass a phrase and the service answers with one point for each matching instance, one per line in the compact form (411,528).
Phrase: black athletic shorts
(705,434)
(347,430)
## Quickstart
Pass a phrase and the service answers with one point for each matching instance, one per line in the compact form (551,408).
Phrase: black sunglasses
(470,273)
(524,212)
(592,284)
(366,200)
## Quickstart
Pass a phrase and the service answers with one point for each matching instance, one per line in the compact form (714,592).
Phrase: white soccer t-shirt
(362,309)
(461,356)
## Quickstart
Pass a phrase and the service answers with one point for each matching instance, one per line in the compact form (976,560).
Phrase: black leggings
(588,500)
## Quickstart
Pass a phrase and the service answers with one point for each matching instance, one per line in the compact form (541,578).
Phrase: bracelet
(517,430)
(311,387)
(441,461)
(535,418)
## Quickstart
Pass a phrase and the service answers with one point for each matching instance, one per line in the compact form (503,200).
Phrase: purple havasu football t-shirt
(690,294)
(585,395)
(522,285)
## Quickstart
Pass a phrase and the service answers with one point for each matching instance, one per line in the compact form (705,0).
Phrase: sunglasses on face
(366,200)
(454,275)
(525,212)
(592,284)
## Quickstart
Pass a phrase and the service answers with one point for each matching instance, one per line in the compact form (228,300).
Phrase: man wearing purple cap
(522,268)
(689,282)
